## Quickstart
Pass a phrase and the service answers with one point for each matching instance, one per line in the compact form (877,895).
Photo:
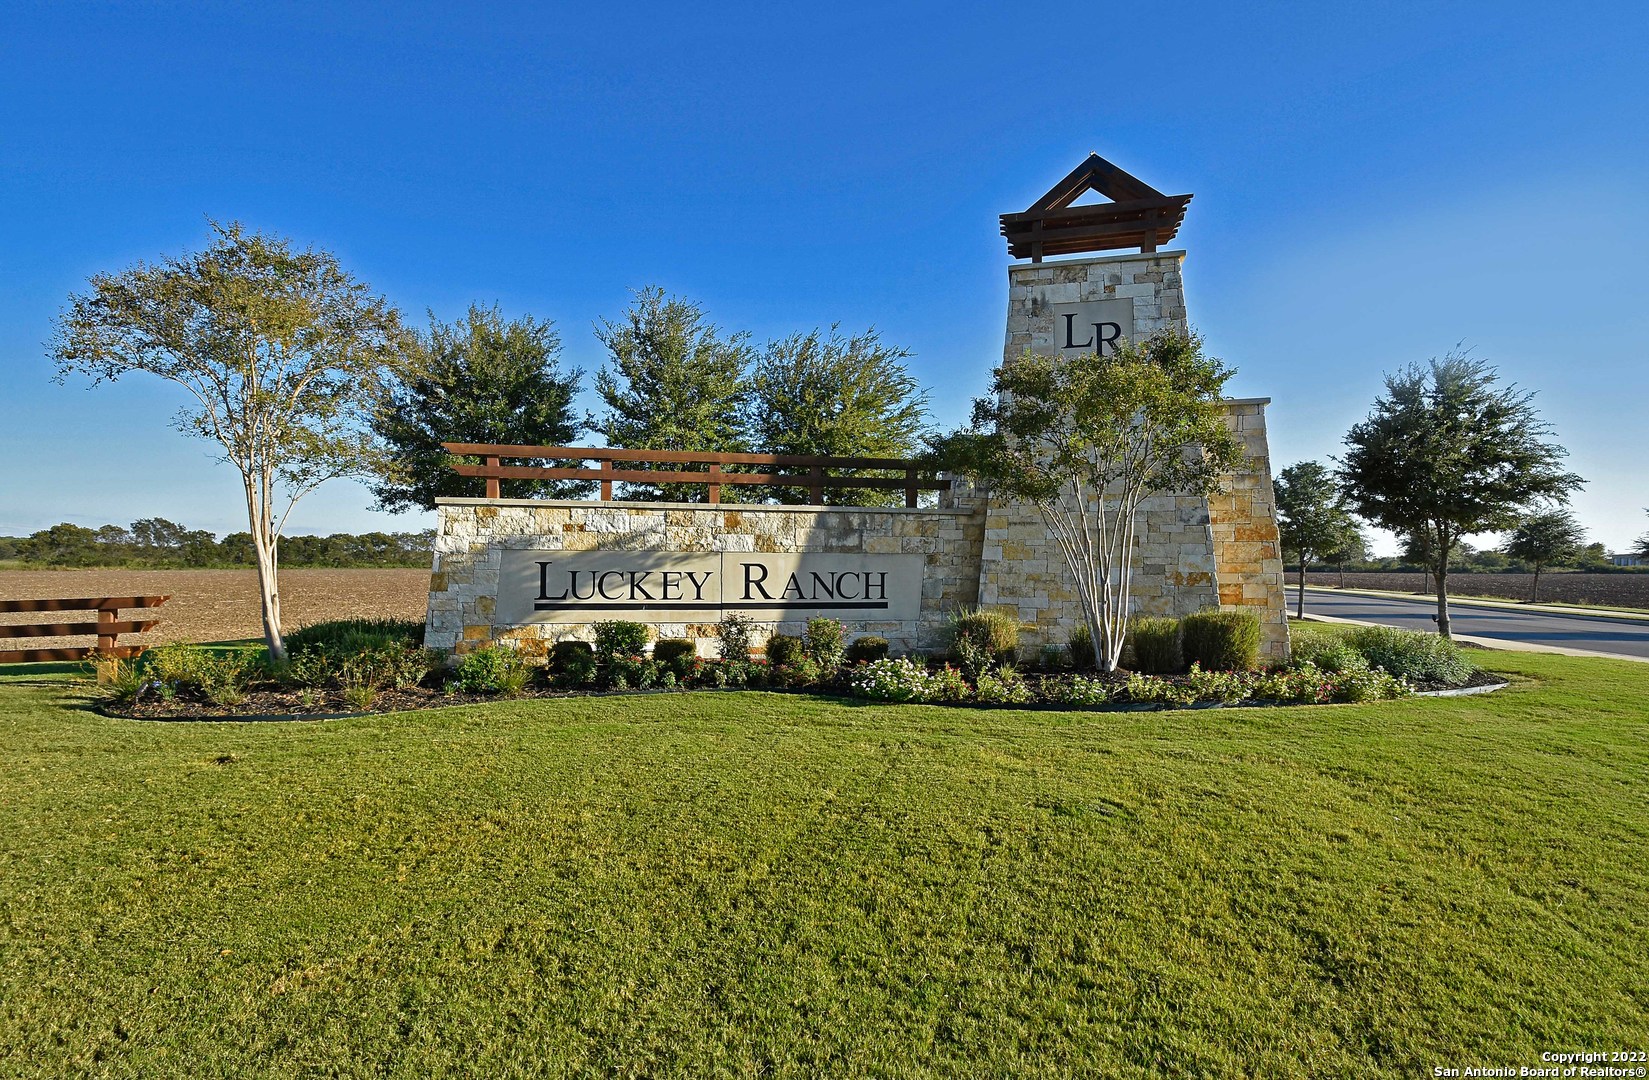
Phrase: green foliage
(1327,652)
(344,636)
(222,677)
(1004,687)
(1079,692)
(783,649)
(1081,648)
(733,637)
(120,683)
(836,396)
(492,670)
(825,641)
(1446,453)
(1312,520)
(1221,640)
(360,696)
(672,382)
(482,379)
(865,650)
(155,543)
(572,664)
(1102,434)
(619,638)
(798,673)
(676,655)
(1429,658)
(980,640)
(902,679)
(284,355)
(1154,644)
(1545,539)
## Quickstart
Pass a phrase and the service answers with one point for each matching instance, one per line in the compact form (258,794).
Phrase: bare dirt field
(222,605)
(1598,590)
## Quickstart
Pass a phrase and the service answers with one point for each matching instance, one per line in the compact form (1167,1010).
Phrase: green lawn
(755,884)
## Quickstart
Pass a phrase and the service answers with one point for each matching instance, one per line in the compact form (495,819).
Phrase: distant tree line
(158,544)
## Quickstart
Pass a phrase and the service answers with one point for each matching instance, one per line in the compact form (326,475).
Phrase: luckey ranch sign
(689,586)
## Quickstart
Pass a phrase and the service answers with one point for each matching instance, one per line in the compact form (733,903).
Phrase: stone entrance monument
(529,572)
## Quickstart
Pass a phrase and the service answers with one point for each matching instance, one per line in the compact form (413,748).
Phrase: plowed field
(1597,590)
(221,605)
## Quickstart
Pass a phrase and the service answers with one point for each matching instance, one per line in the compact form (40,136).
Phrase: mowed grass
(758,884)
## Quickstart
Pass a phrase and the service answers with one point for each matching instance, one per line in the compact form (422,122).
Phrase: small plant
(1221,640)
(1153,645)
(1081,692)
(492,670)
(798,674)
(310,700)
(733,637)
(1217,686)
(221,677)
(620,638)
(826,642)
(120,683)
(1005,687)
(1330,652)
(983,639)
(867,650)
(1404,654)
(572,664)
(1081,647)
(891,680)
(946,685)
(676,655)
(360,696)
(783,649)
(1055,658)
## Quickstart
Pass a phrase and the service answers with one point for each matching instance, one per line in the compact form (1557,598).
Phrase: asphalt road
(1620,636)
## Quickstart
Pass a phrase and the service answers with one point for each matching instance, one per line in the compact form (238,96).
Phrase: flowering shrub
(825,642)
(1079,691)
(891,680)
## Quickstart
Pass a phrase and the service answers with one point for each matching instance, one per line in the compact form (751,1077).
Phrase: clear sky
(1374,184)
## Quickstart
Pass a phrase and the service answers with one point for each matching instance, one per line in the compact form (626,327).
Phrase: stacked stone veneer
(472,534)
(1192,553)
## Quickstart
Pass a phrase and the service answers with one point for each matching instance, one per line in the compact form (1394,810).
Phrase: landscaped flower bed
(363,666)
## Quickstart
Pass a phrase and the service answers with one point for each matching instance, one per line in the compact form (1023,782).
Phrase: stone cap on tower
(1138,215)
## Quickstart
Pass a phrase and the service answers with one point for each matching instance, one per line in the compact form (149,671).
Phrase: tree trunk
(1342,575)
(263,546)
(1442,575)
(1534,592)
(1299,606)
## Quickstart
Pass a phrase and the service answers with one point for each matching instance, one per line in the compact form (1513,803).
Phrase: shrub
(1330,652)
(676,654)
(1221,640)
(733,637)
(801,672)
(630,672)
(360,697)
(1079,691)
(946,684)
(572,664)
(1006,687)
(1405,654)
(220,677)
(1223,686)
(1081,646)
(980,639)
(1055,658)
(891,680)
(866,650)
(120,683)
(825,641)
(1153,645)
(346,636)
(620,638)
(784,649)
(492,670)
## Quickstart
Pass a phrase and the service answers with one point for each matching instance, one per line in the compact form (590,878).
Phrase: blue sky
(1374,184)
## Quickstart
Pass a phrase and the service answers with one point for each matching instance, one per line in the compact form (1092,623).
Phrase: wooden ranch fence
(821,473)
(108,628)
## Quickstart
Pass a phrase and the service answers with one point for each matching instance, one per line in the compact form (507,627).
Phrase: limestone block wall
(1243,522)
(1152,281)
(472,534)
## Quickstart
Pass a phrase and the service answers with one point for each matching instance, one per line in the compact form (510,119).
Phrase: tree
(1640,546)
(672,383)
(1446,453)
(838,397)
(283,352)
(1543,539)
(1311,518)
(1350,546)
(1087,442)
(482,379)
